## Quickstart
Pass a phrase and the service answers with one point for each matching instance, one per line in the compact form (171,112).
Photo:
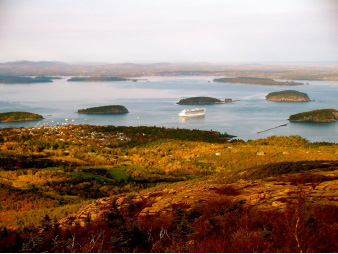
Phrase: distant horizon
(172,62)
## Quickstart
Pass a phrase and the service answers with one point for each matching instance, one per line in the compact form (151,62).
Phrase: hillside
(149,189)
(19,117)
(257,215)
(316,116)
(288,71)
(287,96)
(257,81)
(199,101)
(111,109)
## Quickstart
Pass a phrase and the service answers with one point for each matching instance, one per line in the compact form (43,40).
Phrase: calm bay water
(153,102)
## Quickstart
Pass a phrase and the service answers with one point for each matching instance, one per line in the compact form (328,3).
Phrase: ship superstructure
(192,112)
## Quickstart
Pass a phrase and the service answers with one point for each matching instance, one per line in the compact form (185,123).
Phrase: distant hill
(257,81)
(285,71)
(199,101)
(288,96)
(31,63)
(111,109)
(19,117)
(99,79)
(316,116)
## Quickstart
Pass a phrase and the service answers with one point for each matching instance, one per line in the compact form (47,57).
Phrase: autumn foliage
(48,173)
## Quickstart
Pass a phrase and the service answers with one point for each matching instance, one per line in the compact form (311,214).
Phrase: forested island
(25,80)
(257,81)
(19,117)
(316,116)
(111,109)
(199,101)
(98,79)
(287,96)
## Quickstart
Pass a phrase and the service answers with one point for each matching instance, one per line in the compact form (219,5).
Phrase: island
(199,101)
(288,96)
(316,116)
(96,79)
(257,81)
(111,109)
(25,80)
(19,117)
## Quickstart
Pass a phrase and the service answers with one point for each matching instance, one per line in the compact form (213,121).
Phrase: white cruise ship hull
(192,113)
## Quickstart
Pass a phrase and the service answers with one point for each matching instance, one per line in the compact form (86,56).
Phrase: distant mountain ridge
(32,63)
(284,71)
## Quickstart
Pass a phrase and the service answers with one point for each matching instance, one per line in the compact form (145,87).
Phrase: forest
(316,116)
(111,109)
(49,174)
(19,116)
(287,95)
(199,101)
(8,79)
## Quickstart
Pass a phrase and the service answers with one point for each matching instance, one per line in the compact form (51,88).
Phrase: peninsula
(111,109)
(257,81)
(199,101)
(19,117)
(288,96)
(95,79)
(316,116)
(25,80)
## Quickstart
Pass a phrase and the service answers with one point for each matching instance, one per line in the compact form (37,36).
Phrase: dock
(272,128)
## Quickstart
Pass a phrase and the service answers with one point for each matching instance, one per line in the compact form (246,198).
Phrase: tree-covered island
(199,101)
(96,79)
(287,96)
(257,81)
(19,117)
(316,116)
(111,109)
(6,79)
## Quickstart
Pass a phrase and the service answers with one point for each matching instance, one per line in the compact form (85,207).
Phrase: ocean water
(153,103)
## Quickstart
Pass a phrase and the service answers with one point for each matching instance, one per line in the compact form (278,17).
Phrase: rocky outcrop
(265,194)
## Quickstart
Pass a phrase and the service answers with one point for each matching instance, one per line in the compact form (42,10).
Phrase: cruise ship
(192,112)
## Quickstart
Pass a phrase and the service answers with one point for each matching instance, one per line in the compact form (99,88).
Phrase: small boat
(192,112)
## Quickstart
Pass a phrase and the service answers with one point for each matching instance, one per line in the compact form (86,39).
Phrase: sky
(147,31)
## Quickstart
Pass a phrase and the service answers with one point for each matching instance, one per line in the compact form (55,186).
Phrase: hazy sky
(169,30)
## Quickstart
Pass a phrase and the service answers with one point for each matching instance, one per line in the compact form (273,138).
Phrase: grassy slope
(53,179)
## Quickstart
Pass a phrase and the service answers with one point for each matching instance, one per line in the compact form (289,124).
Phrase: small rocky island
(288,96)
(111,109)
(257,81)
(95,79)
(199,101)
(7,79)
(316,116)
(19,117)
